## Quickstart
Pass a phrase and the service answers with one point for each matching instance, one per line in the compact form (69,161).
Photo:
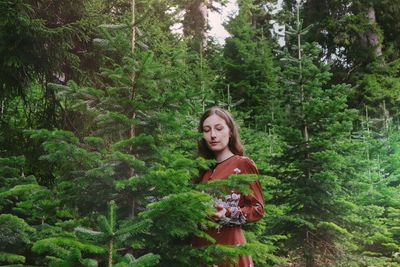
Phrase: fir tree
(378,201)
(127,149)
(14,238)
(317,136)
(112,235)
(249,71)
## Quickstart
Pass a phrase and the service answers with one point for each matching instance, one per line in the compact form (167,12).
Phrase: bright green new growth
(100,101)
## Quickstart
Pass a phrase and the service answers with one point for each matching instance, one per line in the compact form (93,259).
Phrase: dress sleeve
(243,208)
(252,205)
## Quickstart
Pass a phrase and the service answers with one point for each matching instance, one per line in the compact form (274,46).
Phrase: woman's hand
(220,213)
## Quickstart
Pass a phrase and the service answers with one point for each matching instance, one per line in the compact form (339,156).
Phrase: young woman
(221,142)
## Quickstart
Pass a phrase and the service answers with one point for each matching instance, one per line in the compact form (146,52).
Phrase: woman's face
(216,133)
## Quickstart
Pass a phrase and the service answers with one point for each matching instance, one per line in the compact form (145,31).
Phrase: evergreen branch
(59,246)
(88,233)
(105,226)
(130,230)
(11,258)
(233,182)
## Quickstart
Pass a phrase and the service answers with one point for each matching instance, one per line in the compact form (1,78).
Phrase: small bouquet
(233,214)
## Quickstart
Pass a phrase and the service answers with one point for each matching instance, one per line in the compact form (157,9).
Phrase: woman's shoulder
(246,163)
(246,160)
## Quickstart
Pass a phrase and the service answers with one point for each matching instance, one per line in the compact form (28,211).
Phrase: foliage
(249,72)
(98,131)
(14,237)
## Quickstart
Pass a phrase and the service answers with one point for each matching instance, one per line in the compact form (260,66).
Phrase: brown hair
(234,144)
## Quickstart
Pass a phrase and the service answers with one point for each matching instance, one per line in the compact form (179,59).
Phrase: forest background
(100,102)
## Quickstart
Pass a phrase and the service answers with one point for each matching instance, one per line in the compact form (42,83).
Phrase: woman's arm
(248,208)
(252,205)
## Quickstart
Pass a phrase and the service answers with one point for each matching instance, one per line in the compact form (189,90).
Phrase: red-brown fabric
(252,206)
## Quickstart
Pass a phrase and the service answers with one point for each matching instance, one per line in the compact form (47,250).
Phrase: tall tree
(317,136)
(249,74)
(357,39)
(196,22)
(348,31)
(377,195)
(127,149)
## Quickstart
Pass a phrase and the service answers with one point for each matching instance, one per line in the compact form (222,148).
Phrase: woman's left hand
(221,211)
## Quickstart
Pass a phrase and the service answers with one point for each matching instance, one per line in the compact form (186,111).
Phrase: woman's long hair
(234,144)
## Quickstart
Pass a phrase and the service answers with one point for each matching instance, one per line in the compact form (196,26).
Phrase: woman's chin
(214,149)
(217,149)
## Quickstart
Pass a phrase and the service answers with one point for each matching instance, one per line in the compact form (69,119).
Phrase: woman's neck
(223,155)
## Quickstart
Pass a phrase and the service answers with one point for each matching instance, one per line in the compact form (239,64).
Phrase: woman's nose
(213,134)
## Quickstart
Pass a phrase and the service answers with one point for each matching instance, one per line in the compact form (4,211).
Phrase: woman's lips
(214,143)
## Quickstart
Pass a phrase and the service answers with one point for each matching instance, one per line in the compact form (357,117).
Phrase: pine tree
(127,148)
(100,101)
(378,201)
(112,234)
(66,251)
(317,136)
(249,72)
(14,238)
(357,37)
(377,89)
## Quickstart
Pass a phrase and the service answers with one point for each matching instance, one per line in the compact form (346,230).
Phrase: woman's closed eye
(218,128)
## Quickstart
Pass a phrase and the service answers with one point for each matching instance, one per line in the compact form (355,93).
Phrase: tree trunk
(309,251)
(306,137)
(196,21)
(110,252)
(133,27)
(308,246)
(132,130)
(371,38)
(2,109)
(203,12)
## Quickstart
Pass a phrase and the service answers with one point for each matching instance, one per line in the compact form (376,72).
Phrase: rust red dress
(246,208)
